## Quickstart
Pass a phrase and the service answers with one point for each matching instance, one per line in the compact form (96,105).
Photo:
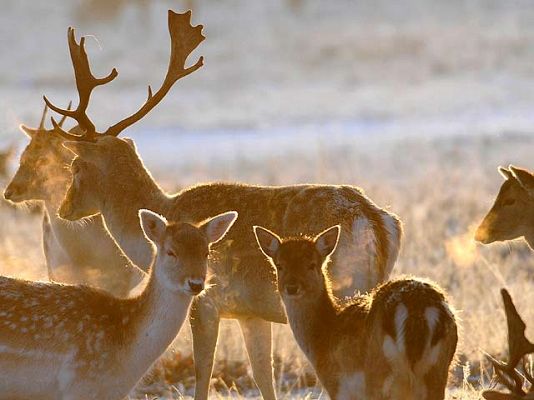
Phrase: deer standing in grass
(109,178)
(396,343)
(63,342)
(68,248)
(512,214)
(518,348)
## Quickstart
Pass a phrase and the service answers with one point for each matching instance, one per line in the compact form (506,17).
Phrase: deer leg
(258,341)
(204,319)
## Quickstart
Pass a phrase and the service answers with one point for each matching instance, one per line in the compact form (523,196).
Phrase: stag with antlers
(518,348)
(242,286)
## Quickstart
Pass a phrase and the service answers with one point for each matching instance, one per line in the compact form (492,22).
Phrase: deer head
(298,261)
(518,347)
(183,248)
(512,214)
(42,165)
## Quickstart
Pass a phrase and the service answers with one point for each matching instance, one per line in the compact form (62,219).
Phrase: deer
(395,343)
(67,342)
(110,179)
(518,348)
(512,213)
(43,176)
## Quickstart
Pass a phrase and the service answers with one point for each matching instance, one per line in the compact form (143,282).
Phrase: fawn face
(298,261)
(98,170)
(512,213)
(183,249)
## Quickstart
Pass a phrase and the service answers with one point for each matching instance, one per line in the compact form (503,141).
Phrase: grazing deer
(518,347)
(109,178)
(68,248)
(66,342)
(512,214)
(396,343)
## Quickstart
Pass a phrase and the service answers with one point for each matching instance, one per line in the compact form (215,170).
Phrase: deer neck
(120,213)
(159,314)
(312,319)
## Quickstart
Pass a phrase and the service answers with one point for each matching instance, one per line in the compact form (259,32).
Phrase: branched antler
(184,39)
(518,347)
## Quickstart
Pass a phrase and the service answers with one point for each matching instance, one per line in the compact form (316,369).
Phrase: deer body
(395,343)
(98,346)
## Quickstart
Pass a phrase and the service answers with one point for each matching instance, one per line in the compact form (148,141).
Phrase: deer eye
(509,202)
(171,253)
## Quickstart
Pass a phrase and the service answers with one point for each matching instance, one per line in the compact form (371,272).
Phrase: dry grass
(440,188)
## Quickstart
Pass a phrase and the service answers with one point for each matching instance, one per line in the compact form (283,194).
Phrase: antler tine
(85,83)
(64,117)
(43,117)
(518,344)
(184,39)
(518,347)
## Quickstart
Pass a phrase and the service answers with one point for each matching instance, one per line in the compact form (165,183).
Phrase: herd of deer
(275,254)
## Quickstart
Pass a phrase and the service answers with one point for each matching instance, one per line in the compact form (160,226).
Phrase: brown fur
(342,340)
(112,179)
(97,345)
(512,213)
(43,175)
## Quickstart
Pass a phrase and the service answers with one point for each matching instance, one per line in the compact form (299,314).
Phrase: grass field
(440,187)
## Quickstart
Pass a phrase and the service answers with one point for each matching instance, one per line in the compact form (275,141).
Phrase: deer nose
(292,290)
(9,192)
(196,285)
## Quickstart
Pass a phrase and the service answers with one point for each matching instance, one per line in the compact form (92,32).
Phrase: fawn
(75,342)
(395,343)
(512,214)
(109,178)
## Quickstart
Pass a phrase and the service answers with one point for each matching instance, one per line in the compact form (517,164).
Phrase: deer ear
(268,241)
(505,173)
(131,142)
(524,177)
(154,225)
(30,132)
(85,150)
(215,228)
(326,241)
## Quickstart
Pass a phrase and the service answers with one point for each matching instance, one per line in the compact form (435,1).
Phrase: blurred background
(416,101)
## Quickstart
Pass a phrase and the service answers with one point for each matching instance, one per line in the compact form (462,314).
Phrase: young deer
(68,248)
(518,347)
(67,342)
(512,214)
(396,343)
(109,178)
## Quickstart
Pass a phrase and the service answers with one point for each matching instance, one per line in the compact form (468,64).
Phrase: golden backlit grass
(440,188)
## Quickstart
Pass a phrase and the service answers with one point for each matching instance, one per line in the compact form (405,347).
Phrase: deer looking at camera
(518,348)
(396,343)
(68,248)
(109,178)
(512,214)
(65,342)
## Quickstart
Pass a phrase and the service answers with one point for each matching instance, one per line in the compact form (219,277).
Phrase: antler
(42,127)
(518,347)
(184,39)
(85,83)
